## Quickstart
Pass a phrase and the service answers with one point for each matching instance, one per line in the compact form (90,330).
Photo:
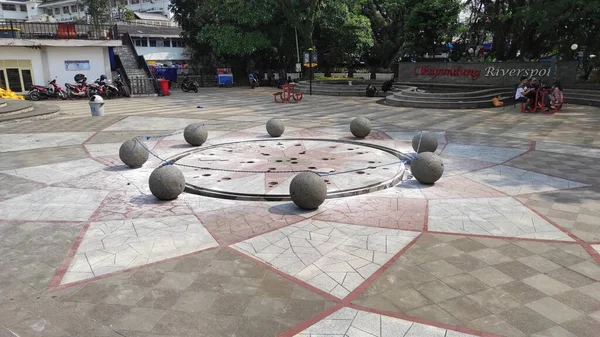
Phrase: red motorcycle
(80,89)
(53,90)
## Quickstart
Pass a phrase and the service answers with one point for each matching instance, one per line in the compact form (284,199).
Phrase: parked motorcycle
(79,89)
(122,88)
(102,87)
(187,85)
(52,90)
(253,81)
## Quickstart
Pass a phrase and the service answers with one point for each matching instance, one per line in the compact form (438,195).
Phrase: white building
(152,11)
(37,53)
(18,10)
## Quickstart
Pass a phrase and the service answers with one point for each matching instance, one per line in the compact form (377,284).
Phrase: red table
(287,95)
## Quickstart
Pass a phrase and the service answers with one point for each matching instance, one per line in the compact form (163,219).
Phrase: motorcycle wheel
(62,95)
(90,93)
(126,92)
(196,90)
(185,88)
(35,95)
(110,93)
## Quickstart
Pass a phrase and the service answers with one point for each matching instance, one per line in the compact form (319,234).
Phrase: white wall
(22,53)
(98,57)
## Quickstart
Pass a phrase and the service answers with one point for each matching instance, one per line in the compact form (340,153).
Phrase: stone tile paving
(511,288)
(352,322)
(333,257)
(513,185)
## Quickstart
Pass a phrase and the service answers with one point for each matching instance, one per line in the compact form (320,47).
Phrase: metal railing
(57,31)
(152,23)
(142,62)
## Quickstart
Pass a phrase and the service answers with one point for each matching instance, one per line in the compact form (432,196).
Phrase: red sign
(448,72)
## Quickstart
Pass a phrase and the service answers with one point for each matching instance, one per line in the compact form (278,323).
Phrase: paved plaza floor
(505,244)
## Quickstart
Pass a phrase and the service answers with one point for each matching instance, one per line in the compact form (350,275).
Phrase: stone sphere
(166,182)
(308,190)
(195,134)
(360,127)
(275,127)
(429,142)
(428,168)
(133,154)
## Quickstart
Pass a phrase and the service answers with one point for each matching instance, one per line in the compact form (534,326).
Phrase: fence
(56,31)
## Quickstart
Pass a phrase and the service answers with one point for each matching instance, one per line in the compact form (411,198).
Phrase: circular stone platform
(264,169)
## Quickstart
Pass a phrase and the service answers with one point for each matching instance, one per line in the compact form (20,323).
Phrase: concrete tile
(579,301)
(554,310)
(570,277)
(491,276)
(437,291)
(140,319)
(434,313)
(464,309)
(526,320)
(440,268)
(582,326)
(521,292)
(191,301)
(230,304)
(589,269)
(556,331)
(465,283)
(539,263)
(546,284)
(495,324)
(494,300)
(516,269)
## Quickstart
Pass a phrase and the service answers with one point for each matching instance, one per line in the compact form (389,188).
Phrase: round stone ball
(275,127)
(133,154)
(195,134)
(166,182)
(308,190)
(429,142)
(360,127)
(428,168)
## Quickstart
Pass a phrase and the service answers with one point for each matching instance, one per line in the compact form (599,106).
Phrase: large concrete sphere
(429,142)
(360,127)
(308,190)
(428,168)
(195,134)
(275,127)
(133,154)
(166,182)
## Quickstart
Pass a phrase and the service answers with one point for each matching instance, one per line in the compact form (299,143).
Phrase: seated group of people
(527,92)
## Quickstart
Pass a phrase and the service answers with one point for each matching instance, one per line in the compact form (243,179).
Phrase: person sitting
(554,99)
(531,94)
(520,92)
(387,85)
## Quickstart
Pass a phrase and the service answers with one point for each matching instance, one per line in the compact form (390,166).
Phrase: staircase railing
(123,72)
(141,62)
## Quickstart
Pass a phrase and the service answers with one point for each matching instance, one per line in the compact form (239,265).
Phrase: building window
(73,8)
(167,42)
(23,8)
(146,1)
(135,2)
(176,43)
(9,7)
(56,11)
(66,10)
(152,42)
(140,42)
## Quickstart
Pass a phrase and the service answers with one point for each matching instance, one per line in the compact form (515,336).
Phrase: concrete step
(39,111)
(2,103)
(393,100)
(13,107)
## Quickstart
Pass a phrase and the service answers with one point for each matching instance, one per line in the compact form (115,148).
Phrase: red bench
(288,95)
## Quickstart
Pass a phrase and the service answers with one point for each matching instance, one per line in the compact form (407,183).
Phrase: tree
(225,28)
(428,23)
(98,10)
(302,15)
(342,33)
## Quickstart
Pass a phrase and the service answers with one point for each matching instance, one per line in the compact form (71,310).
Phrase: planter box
(364,76)
(384,76)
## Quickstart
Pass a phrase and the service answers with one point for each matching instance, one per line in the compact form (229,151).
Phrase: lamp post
(310,61)
(574,48)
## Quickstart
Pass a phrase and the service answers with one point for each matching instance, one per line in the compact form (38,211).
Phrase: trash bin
(164,86)
(97,105)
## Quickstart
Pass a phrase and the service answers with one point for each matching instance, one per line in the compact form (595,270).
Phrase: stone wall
(501,74)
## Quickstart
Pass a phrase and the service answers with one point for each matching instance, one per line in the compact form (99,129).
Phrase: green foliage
(429,23)
(97,9)
(342,32)
(128,14)
(225,27)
